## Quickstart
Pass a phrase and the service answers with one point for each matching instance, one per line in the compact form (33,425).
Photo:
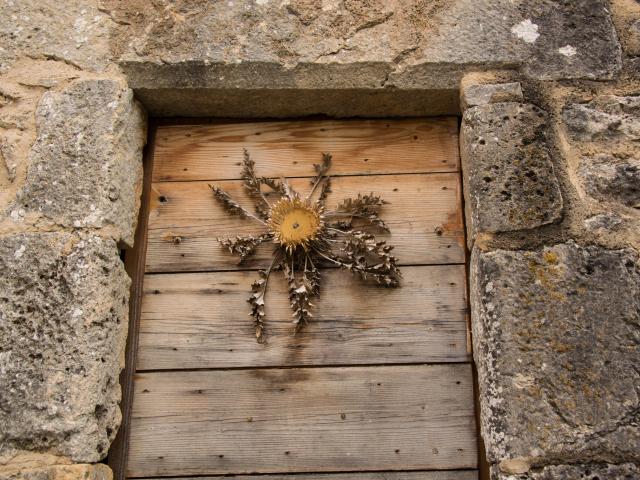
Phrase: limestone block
(63,318)
(606,118)
(557,346)
(576,39)
(474,95)
(604,222)
(510,183)
(74,32)
(625,471)
(86,163)
(199,55)
(607,178)
(98,471)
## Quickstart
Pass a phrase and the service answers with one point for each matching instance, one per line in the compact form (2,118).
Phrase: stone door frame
(549,98)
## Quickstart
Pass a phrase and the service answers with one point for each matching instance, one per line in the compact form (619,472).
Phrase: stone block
(197,53)
(474,95)
(626,471)
(63,320)
(604,222)
(611,179)
(510,183)
(606,118)
(576,39)
(98,471)
(557,345)
(86,163)
(73,32)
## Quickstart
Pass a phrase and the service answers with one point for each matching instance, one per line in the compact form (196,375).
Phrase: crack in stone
(374,23)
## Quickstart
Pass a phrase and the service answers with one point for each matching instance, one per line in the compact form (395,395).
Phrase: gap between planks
(309,177)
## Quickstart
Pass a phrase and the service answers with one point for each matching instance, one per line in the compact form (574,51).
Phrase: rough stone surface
(22,88)
(626,17)
(269,58)
(611,179)
(59,472)
(79,35)
(86,167)
(604,222)
(626,471)
(633,45)
(184,48)
(557,347)
(606,118)
(63,316)
(583,43)
(510,182)
(474,95)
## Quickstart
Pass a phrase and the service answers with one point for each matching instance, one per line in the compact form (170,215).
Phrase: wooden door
(380,381)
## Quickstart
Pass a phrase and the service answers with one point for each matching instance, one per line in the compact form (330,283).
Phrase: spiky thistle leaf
(257,298)
(252,186)
(366,203)
(289,192)
(231,205)
(258,289)
(325,190)
(299,297)
(366,207)
(321,170)
(244,246)
(273,184)
(359,249)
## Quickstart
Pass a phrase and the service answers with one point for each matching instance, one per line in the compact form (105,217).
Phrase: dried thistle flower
(305,235)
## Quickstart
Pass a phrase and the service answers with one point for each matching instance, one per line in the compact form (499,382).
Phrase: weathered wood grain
(418,475)
(425,218)
(201,320)
(303,420)
(210,152)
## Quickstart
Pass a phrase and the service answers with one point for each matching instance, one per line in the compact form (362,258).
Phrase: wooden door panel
(297,420)
(201,321)
(377,386)
(213,152)
(424,214)
(420,475)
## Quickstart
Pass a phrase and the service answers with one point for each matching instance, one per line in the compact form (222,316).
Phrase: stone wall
(549,95)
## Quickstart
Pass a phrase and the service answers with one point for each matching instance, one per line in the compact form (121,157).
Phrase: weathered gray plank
(303,420)
(207,152)
(425,217)
(424,475)
(201,320)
